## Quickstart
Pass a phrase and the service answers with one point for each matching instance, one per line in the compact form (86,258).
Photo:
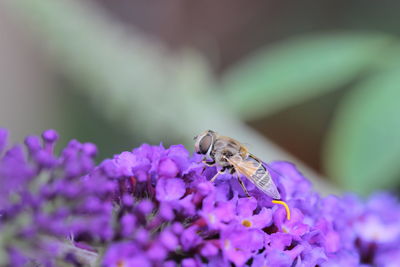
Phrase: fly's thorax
(225,147)
(225,154)
(221,159)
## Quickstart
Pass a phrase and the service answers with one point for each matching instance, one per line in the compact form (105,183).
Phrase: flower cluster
(156,207)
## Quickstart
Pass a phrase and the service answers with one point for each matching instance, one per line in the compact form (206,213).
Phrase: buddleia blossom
(154,206)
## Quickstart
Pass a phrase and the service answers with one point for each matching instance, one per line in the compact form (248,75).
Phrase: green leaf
(298,69)
(363,148)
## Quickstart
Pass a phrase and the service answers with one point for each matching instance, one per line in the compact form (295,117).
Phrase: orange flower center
(246,223)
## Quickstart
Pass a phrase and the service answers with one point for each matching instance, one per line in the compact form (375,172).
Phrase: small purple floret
(50,136)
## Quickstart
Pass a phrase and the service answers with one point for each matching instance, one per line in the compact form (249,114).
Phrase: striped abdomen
(256,172)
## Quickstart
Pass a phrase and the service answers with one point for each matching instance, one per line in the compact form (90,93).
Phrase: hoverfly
(232,156)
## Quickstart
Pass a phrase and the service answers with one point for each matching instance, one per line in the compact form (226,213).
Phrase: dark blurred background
(322,56)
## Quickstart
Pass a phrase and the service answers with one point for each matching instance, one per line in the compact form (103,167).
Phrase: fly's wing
(245,167)
(267,185)
(273,191)
(254,170)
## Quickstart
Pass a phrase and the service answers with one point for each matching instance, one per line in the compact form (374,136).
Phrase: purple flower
(313,255)
(295,226)
(128,223)
(155,206)
(216,214)
(209,249)
(245,214)
(278,241)
(169,239)
(289,179)
(324,235)
(124,163)
(239,243)
(189,262)
(170,189)
(272,258)
(190,239)
(125,254)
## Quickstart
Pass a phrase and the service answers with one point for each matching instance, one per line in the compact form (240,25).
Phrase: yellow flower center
(120,263)
(246,223)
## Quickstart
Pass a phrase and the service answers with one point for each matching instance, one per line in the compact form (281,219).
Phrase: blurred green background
(313,82)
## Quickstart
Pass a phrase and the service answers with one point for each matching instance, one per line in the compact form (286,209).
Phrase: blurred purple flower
(3,138)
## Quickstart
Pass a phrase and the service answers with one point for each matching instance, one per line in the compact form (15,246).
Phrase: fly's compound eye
(205,144)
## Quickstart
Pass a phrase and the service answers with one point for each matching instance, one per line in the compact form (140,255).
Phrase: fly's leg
(233,171)
(243,186)
(217,174)
(209,163)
